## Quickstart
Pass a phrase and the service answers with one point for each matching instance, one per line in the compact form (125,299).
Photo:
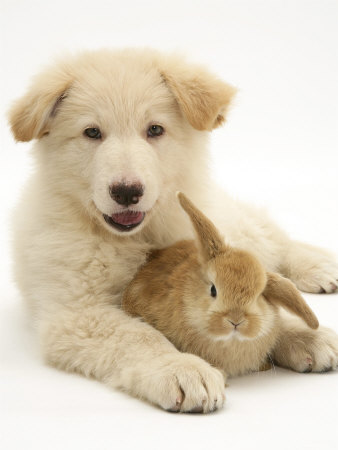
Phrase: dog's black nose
(126,194)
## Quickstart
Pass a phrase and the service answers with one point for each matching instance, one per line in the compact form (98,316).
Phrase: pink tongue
(128,217)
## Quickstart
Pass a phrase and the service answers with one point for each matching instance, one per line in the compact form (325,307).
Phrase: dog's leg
(310,268)
(103,342)
(305,350)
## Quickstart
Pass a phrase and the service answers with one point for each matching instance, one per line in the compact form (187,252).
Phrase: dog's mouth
(126,220)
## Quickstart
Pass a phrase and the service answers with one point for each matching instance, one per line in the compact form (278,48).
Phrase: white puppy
(117,134)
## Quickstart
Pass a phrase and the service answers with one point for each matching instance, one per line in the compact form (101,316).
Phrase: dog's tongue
(128,218)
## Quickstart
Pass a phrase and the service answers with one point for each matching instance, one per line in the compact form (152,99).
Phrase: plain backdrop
(278,150)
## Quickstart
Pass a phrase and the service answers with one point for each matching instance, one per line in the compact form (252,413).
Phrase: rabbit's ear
(209,239)
(281,291)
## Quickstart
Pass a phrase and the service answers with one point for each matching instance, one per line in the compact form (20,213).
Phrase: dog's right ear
(30,116)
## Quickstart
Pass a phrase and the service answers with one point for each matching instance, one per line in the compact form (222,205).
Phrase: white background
(278,149)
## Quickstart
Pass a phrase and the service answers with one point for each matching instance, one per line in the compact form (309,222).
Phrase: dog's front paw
(185,383)
(308,350)
(312,269)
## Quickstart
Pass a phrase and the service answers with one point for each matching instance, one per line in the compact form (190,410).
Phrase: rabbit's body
(165,293)
(213,300)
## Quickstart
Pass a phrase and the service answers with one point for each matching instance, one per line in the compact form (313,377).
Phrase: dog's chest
(112,267)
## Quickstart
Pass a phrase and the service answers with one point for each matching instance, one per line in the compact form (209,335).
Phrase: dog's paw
(186,383)
(318,280)
(309,350)
(324,350)
(312,269)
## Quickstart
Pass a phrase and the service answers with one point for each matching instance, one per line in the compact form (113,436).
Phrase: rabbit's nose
(235,324)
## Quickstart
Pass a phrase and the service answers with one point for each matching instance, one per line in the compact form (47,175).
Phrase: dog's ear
(30,116)
(203,98)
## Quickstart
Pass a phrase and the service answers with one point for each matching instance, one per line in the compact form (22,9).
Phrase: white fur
(72,267)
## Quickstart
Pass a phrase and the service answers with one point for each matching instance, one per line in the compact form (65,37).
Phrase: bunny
(213,300)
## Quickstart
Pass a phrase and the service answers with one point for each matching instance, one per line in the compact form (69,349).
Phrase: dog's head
(117,130)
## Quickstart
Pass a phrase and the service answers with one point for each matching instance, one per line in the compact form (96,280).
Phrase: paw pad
(309,364)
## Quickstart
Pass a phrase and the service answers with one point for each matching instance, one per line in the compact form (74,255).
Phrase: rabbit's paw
(311,269)
(308,350)
(186,383)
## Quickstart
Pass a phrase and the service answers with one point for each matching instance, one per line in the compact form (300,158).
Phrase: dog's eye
(93,133)
(155,130)
(213,291)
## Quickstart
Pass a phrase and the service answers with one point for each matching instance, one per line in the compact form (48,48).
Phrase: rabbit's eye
(213,291)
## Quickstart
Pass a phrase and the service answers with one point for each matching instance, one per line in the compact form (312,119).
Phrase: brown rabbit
(213,300)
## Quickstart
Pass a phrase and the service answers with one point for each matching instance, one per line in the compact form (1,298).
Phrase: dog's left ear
(203,98)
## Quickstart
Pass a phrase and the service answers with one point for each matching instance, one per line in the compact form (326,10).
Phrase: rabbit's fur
(236,329)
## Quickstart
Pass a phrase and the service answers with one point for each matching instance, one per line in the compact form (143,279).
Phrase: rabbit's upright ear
(209,239)
(30,116)
(283,292)
(202,97)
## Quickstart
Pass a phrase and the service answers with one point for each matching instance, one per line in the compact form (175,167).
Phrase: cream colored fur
(72,267)
(238,327)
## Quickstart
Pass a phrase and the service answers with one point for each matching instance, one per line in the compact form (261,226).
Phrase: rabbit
(213,300)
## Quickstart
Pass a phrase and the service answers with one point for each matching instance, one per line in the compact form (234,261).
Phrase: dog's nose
(126,194)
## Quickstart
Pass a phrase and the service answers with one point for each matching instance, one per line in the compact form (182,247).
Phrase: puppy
(117,133)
